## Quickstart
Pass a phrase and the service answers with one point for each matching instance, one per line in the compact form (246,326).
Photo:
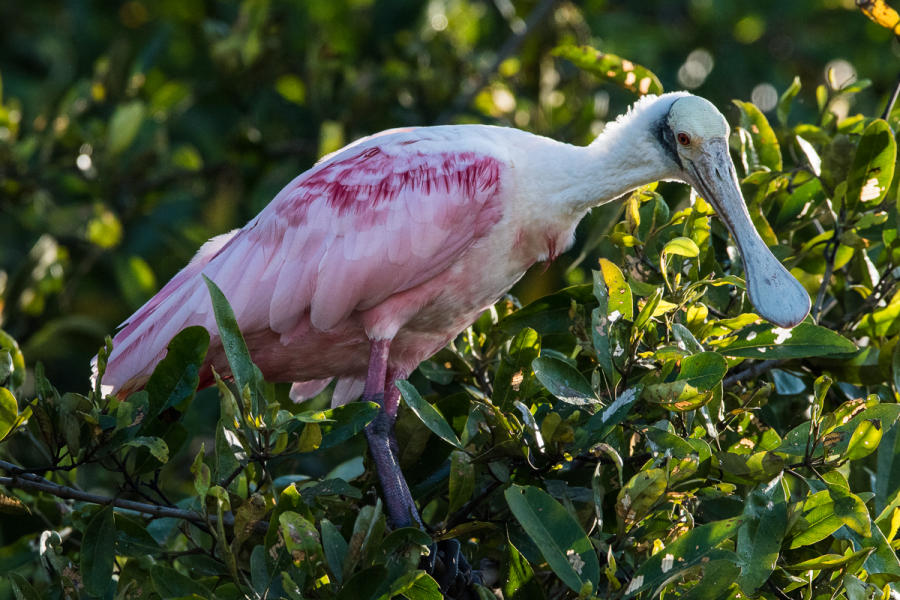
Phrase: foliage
(639,433)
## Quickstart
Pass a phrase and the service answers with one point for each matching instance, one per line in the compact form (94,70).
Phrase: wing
(378,218)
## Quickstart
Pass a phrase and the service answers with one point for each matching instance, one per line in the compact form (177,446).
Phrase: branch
(21,479)
(510,46)
(754,371)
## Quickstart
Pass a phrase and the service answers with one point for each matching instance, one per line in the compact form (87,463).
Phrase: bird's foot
(451,570)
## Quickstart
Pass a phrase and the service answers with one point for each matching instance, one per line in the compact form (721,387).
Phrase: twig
(830,252)
(893,100)
(20,479)
(39,484)
(754,371)
(510,46)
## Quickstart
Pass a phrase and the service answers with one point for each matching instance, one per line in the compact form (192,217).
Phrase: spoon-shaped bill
(776,294)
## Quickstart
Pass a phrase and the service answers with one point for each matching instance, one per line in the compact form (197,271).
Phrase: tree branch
(754,371)
(509,47)
(20,479)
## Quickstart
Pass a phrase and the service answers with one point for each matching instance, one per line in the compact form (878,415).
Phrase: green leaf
(291,88)
(343,422)
(820,520)
(865,439)
(242,368)
(201,473)
(417,585)
(625,73)
(619,298)
(557,535)
(873,165)
(169,583)
(828,561)
(367,530)
(703,370)
(301,540)
(783,108)
(803,341)
(695,547)
(764,140)
(681,246)
(155,445)
(638,497)
(22,588)
(564,381)
(514,375)
(9,411)
(124,126)
(520,583)
(98,552)
(132,537)
(761,534)
(895,368)
(8,343)
(175,379)
(851,510)
(335,549)
(428,414)
(462,480)
(601,329)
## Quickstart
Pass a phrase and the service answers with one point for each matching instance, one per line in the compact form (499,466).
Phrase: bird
(385,250)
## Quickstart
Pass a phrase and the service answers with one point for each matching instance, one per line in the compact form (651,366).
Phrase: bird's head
(693,134)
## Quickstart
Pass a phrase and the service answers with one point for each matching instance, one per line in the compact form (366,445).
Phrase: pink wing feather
(378,218)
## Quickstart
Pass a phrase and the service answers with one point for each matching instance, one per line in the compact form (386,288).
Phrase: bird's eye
(684,139)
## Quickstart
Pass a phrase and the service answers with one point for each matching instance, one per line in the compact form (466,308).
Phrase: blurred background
(130,132)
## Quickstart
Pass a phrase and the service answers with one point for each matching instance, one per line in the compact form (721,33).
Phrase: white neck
(626,155)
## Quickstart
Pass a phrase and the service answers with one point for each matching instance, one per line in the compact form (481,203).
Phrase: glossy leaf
(619,298)
(428,414)
(764,140)
(559,537)
(696,546)
(804,340)
(9,411)
(520,582)
(176,377)
(873,165)
(625,73)
(98,552)
(760,536)
(564,381)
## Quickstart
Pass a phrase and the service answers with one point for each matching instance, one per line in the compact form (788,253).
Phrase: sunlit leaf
(873,165)
(804,340)
(564,381)
(625,73)
(692,548)
(763,137)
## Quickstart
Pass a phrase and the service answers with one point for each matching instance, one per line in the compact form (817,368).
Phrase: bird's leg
(398,501)
(445,561)
(392,403)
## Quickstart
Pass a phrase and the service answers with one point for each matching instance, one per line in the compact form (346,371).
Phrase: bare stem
(754,371)
(20,479)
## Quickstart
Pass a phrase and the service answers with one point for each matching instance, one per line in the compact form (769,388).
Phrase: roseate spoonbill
(384,251)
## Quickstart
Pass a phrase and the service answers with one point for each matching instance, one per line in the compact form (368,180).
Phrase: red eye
(684,139)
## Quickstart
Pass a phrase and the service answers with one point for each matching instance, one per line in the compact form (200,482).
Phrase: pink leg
(392,392)
(398,501)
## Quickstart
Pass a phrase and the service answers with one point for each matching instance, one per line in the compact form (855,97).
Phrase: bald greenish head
(694,134)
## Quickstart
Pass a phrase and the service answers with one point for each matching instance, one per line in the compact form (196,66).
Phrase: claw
(453,573)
